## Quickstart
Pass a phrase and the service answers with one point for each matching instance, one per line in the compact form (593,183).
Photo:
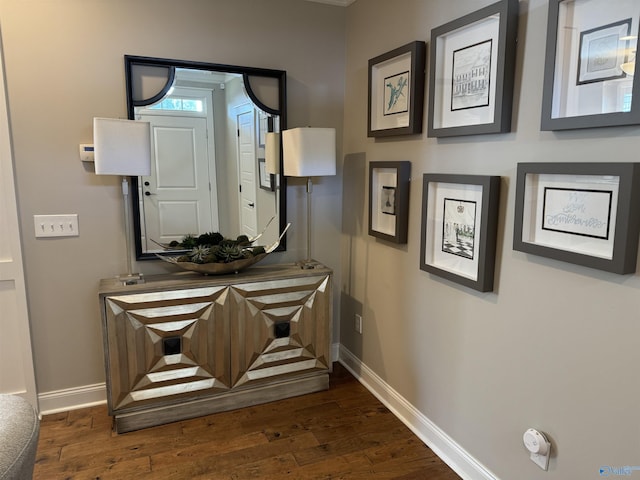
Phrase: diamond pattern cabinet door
(280,328)
(166,346)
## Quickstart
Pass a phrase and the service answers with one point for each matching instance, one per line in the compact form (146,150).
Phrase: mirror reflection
(209,124)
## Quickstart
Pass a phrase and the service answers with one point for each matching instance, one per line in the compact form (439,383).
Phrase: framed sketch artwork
(471,76)
(472,62)
(389,200)
(585,213)
(589,70)
(599,58)
(267,180)
(396,91)
(459,228)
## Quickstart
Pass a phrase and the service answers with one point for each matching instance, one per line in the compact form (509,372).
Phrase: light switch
(56,225)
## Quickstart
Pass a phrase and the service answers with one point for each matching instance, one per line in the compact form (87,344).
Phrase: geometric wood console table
(185,345)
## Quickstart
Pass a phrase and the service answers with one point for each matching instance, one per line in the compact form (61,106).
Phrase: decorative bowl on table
(212,254)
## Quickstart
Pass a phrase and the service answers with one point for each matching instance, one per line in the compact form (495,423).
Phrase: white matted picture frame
(389,200)
(581,213)
(396,91)
(267,180)
(459,228)
(602,52)
(589,69)
(471,75)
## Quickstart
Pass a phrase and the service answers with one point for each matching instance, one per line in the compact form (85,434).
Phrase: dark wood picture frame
(624,214)
(472,258)
(397,76)
(389,200)
(493,82)
(563,81)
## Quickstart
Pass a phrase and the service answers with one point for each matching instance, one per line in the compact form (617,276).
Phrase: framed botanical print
(396,91)
(472,63)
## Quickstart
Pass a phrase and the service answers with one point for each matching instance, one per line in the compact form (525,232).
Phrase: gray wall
(555,345)
(64,66)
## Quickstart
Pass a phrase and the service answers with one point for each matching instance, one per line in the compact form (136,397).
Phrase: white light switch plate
(56,225)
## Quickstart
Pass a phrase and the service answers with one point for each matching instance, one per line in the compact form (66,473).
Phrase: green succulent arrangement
(212,247)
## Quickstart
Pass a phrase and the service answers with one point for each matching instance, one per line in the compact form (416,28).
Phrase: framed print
(582,213)
(472,62)
(267,180)
(459,228)
(389,200)
(590,63)
(599,57)
(396,91)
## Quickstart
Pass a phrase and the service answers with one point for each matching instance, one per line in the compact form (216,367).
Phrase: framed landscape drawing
(589,69)
(389,200)
(396,91)
(459,228)
(584,213)
(472,62)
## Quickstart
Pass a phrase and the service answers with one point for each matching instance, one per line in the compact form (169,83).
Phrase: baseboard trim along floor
(72,398)
(442,445)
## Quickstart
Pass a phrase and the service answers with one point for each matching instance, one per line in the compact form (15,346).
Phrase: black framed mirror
(209,125)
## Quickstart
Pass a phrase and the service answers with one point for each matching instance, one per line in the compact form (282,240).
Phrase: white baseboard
(90,395)
(442,445)
(335,352)
(72,398)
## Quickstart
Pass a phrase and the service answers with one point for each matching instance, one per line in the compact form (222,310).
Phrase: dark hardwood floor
(342,433)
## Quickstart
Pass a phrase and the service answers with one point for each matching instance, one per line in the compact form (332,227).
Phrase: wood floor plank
(342,433)
(339,467)
(348,443)
(273,467)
